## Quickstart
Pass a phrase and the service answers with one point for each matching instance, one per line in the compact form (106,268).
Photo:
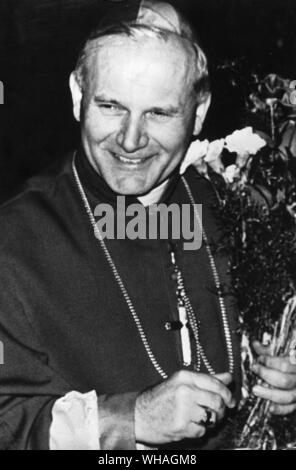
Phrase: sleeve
(87,422)
(32,392)
(75,422)
(29,385)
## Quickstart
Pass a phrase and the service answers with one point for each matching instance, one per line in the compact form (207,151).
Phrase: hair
(201,85)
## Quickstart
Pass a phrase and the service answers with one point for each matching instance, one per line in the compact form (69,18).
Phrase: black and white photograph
(148,227)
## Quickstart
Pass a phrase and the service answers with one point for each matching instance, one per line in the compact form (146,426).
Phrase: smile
(131,161)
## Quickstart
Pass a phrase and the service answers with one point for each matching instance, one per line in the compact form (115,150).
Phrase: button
(173,325)
(174,276)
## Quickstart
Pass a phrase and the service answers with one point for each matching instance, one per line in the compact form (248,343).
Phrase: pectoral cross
(182,325)
(185,337)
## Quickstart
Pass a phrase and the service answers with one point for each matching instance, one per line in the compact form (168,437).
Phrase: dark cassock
(67,325)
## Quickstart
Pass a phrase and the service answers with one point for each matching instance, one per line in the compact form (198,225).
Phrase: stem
(272,125)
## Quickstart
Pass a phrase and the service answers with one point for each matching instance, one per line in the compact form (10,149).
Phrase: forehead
(144,64)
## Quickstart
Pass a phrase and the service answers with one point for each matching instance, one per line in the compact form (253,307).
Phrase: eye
(159,115)
(110,108)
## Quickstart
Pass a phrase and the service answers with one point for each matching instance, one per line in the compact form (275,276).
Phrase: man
(96,356)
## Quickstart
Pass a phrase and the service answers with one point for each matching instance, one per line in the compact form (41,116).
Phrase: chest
(102,339)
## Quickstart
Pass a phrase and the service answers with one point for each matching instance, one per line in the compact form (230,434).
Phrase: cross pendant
(185,337)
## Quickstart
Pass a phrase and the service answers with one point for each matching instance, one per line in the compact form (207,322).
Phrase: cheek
(99,128)
(173,139)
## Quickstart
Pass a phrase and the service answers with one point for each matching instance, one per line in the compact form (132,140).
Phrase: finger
(194,430)
(275,377)
(212,384)
(212,401)
(280,397)
(282,364)
(226,378)
(200,415)
(282,410)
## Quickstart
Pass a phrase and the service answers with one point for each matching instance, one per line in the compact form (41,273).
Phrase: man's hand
(280,374)
(175,409)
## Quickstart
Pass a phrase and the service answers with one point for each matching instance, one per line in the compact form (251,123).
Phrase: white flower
(195,153)
(231,173)
(213,156)
(244,142)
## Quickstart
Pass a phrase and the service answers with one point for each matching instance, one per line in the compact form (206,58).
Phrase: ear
(200,115)
(76,95)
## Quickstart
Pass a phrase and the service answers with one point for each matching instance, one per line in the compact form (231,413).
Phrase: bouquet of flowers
(254,176)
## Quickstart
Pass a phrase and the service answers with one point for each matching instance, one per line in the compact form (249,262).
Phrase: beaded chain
(226,327)
(190,312)
(184,302)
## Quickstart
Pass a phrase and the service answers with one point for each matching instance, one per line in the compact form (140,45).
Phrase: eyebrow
(166,109)
(172,110)
(104,99)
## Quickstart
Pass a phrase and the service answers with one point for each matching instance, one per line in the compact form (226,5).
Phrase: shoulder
(202,188)
(40,187)
(24,215)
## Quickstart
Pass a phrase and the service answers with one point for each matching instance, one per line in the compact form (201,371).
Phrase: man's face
(138,111)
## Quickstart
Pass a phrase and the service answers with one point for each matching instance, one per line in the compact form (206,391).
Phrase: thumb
(226,378)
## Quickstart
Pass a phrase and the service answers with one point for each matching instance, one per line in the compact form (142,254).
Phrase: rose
(213,156)
(201,153)
(244,142)
(231,173)
(273,86)
(195,156)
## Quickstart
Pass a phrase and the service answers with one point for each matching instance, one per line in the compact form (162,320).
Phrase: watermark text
(158,221)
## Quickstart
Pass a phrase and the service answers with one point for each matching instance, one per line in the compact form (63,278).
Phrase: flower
(231,173)
(288,137)
(244,142)
(273,86)
(202,153)
(288,99)
(213,156)
(257,206)
(194,155)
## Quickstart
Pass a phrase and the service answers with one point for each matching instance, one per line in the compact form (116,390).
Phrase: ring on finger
(208,419)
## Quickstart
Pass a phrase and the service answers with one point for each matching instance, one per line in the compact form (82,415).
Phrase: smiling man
(123,343)
(139,108)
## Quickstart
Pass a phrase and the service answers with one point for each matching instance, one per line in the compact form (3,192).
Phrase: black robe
(63,321)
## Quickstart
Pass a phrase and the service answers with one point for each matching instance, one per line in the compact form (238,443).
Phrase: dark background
(39,41)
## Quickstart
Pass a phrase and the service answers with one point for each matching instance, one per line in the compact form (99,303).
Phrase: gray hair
(201,86)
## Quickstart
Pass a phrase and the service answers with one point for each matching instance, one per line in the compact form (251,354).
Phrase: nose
(132,135)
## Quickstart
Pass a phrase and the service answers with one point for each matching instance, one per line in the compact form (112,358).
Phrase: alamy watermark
(1,93)
(157,221)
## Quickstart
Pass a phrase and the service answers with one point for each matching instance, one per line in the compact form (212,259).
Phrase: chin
(130,190)
(130,187)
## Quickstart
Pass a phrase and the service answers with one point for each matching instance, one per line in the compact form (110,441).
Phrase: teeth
(130,161)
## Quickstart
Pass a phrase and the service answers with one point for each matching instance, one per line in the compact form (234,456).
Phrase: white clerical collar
(154,196)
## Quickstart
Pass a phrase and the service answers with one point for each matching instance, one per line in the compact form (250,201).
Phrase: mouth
(132,162)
